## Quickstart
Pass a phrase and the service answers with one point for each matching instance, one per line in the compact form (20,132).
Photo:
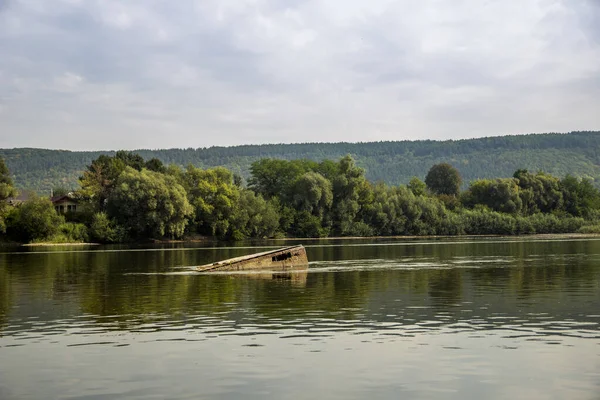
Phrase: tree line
(123,197)
(393,162)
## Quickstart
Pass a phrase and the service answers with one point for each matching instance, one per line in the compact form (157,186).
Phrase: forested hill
(576,153)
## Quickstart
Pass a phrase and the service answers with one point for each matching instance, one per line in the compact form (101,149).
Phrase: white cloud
(196,73)
(67,81)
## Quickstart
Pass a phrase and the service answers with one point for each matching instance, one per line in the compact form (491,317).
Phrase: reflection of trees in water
(5,296)
(441,251)
(445,287)
(131,286)
(331,294)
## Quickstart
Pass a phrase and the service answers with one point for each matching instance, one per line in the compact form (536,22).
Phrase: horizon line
(307,143)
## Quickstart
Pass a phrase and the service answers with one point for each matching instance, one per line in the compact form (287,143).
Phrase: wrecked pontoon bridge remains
(285,259)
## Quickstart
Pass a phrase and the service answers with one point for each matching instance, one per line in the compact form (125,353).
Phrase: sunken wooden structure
(286,259)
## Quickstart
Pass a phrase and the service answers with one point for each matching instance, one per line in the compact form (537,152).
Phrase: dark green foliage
(315,199)
(360,229)
(539,192)
(389,210)
(6,183)
(214,196)
(71,232)
(550,223)
(99,180)
(238,180)
(123,197)
(6,191)
(417,186)
(287,214)
(351,192)
(452,203)
(484,222)
(149,204)
(34,220)
(502,195)
(431,217)
(312,192)
(589,229)
(156,165)
(132,159)
(580,197)
(391,162)
(60,191)
(270,177)
(397,211)
(443,179)
(307,225)
(253,217)
(104,230)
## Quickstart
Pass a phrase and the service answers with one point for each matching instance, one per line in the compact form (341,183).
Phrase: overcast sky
(111,74)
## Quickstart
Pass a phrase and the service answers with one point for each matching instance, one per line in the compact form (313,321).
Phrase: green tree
(71,232)
(149,204)
(131,159)
(351,192)
(307,225)
(385,212)
(417,186)
(431,218)
(501,195)
(391,162)
(397,211)
(35,219)
(541,192)
(581,198)
(443,179)
(155,165)
(313,192)
(6,191)
(60,191)
(105,230)
(99,180)
(274,178)
(214,196)
(253,217)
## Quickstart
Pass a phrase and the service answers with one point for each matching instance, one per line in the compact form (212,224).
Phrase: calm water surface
(388,319)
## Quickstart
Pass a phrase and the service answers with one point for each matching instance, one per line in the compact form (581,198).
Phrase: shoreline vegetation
(544,236)
(126,199)
(53,244)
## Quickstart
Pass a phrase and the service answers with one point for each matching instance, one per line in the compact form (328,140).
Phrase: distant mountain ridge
(393,162)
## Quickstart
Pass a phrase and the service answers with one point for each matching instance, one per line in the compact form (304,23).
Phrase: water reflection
(454,295)
(347,282)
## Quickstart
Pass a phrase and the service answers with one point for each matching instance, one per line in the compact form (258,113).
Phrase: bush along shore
(125,198)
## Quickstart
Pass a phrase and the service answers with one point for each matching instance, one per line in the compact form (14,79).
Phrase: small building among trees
(64,203)
(19,199)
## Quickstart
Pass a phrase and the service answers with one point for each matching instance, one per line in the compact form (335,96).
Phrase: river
(461,319)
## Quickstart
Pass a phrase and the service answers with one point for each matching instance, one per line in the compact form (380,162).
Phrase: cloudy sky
(108,74)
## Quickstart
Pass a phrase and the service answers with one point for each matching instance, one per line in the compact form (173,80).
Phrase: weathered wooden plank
(285,259)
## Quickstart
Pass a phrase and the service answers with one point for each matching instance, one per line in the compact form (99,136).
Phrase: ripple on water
(459,311)
(539,326)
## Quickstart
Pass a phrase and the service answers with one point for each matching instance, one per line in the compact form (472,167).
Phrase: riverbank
(549,236)
(44,244)
(544,236)
(409,237)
